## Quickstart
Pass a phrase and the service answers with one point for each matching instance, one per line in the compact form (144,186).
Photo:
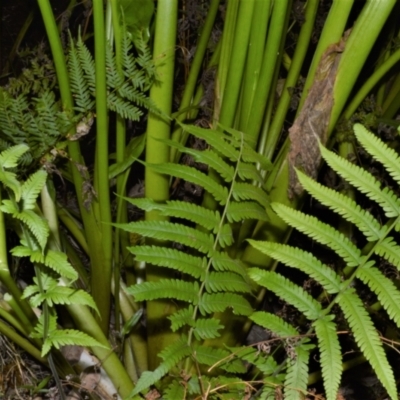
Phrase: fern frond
(213,356)
(181,318)
(209,219)
(171,258)
(222,262)
(37,225)
(288,291)
(303,260)
(31,188)
(274,323)
(68,337)
(363,181)
(384,288)
(344,206)
(246,191)
(124,109)
(225,236)
(297,375)
(250,172)
(164,230)
(250,155)
(87,63)
(166,289)
(226,281)
(171,356)
(321,232)
(114,78)
(207,328)
(330,355)
(9,180)
(367,339)
(215,139)
(379,150)
(239,211)
(174,391)
(79,85)
(217,302)
(389,250)
(190,174)
(9,158)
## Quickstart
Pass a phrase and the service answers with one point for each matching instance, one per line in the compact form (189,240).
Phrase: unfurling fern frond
(339,285)
(210,282)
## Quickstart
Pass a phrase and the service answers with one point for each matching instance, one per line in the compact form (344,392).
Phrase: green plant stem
(7,316)
(258,33)
(392,101)
(157,185)
(21,342)
(293,75)
(363,36)
(101,273)
(370,83)
(269,64)
(188,93)
(237,63)
(90,222)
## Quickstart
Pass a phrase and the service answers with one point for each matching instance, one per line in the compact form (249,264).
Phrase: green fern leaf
(225,235)
(166,288)
(384,288)
(31,188)
(114,78)
(321,232)
(68,337)
(124,109)
(226,281)
(250,172)
(297,375)
(379,151)
(274,324)
(171,355)
(37,225)
(238,211)
(171,258)
(79,85)
(179,209)
(330,355)
(389,250)
(190,174)
(344,206)
(174,391)
(164,230)
(215,139)
(58,261)
(39,330)
(9,158)
(246,191)
(367,339)
(288,291)
(216,302)
(212,356)
(250,155)
(9,180)
(87,63)
(181,318)
(9,207)
(222,262)
(207,328)
(364,182)
(303,260)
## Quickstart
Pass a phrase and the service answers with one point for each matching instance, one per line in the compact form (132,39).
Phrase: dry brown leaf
(312,123)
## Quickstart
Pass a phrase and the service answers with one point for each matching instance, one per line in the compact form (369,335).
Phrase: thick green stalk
(371,82)
(291,80)
(258,33)
(275,34)
(331,33)
(101,273)
(363,36)
(90,223)
(188,93)
(237,63)
(157,185)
